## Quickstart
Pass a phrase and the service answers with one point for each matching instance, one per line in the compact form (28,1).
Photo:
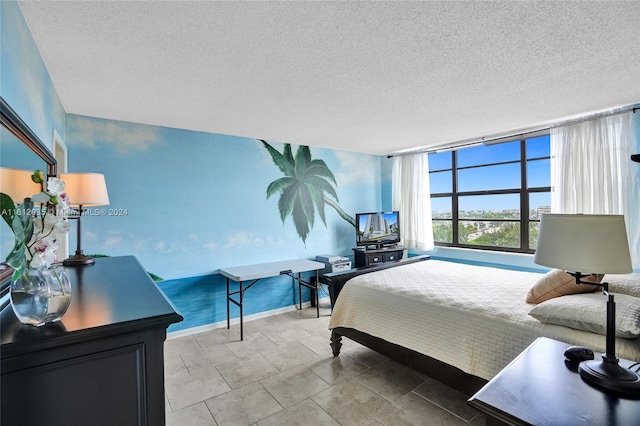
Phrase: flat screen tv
(378,229)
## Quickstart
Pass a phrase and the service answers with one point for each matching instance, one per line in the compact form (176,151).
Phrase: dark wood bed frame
(436,369)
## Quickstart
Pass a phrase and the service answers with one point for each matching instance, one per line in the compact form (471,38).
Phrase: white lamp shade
(17,184)
(86,189)
(584,243)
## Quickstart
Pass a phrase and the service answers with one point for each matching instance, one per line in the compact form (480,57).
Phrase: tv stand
(367,257)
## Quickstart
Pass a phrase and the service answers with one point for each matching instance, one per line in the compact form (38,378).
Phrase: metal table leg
(228,311)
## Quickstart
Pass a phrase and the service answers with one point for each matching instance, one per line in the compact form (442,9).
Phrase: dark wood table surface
(540,388)
(114,292)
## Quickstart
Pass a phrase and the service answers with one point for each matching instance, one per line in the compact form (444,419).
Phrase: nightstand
(540,388)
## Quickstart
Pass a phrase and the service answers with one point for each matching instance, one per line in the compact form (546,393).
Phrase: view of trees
(487,185)
(478,231)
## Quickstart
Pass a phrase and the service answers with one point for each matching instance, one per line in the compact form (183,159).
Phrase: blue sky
(197,201)
(504,176)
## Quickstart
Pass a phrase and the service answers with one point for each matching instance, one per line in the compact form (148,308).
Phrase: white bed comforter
(474,318)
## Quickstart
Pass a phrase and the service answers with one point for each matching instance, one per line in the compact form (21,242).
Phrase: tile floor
(284,373)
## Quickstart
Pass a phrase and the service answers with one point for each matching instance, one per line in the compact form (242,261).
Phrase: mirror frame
(14,124)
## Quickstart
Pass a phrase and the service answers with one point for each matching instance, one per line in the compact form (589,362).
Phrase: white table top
(270,269)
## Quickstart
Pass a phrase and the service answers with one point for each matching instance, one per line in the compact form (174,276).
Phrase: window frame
(523,191)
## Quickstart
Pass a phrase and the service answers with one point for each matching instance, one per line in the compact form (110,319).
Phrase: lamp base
(611,376)
(78,260)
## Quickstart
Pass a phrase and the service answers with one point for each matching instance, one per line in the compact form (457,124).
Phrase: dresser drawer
(391,257)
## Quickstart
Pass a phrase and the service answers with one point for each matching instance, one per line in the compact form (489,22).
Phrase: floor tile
(255,326)
(294,385)
(180,344)
(284,373)
(207,357)
(282,336)
(351,403)
(478,420)
(361,353)
(412,409)
(194,415)
(320,344)
(218,336)
(252,343)
(334,369)
(372,422)
(243,406)
(447,398)
(289,355)
(305,413)
(190,388)
(173,365)
(390,380)
(246,370)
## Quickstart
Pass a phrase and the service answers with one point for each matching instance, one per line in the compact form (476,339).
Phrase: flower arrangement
(37,230)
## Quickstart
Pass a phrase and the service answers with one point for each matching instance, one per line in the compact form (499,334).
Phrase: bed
(461,324)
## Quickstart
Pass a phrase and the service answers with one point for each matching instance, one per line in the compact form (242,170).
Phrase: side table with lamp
(581,243)
(542,387)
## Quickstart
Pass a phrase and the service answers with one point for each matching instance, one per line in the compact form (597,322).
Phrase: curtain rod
(491,140)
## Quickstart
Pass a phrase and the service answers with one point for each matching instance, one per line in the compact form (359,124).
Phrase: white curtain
(592,173)
(412,198)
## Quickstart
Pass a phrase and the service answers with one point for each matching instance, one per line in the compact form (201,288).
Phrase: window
(491,196)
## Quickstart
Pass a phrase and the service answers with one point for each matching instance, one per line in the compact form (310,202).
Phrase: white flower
(49,225)
(37,260)
(55,186)
(59,224)
(63,206)
(44,250)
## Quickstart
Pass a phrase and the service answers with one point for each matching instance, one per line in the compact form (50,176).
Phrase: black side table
(540,388)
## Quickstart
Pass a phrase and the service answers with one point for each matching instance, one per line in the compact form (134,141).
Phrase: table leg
(241,310)
(228,315)
(299,289)
(317,295)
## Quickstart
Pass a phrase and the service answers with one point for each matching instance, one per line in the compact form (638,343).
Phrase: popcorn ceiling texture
(370,77)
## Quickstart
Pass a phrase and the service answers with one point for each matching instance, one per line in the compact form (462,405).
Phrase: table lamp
(84,190)
(584,244)
(17,184)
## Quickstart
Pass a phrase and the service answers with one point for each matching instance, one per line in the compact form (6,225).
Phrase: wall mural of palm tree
(306,187)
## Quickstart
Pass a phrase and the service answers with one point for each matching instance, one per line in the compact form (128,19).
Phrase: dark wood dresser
(102,364)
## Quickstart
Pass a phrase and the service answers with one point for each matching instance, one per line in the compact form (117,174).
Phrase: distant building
(376,225)
(543,209)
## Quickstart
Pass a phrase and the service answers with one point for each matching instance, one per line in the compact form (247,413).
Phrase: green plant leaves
(20,222)
(8,208)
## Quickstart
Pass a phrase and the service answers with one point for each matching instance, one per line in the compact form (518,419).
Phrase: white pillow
(588,312)
(624,283)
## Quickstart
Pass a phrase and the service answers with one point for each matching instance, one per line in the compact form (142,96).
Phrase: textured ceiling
(371,77)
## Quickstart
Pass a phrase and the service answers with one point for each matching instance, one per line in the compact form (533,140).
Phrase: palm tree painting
(306,187)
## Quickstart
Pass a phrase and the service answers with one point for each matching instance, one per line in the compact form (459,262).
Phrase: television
(378,229)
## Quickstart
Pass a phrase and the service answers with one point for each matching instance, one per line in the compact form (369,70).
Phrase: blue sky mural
(25,82)
(187,203)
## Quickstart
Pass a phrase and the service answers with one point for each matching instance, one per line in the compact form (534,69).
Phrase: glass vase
(41,295)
